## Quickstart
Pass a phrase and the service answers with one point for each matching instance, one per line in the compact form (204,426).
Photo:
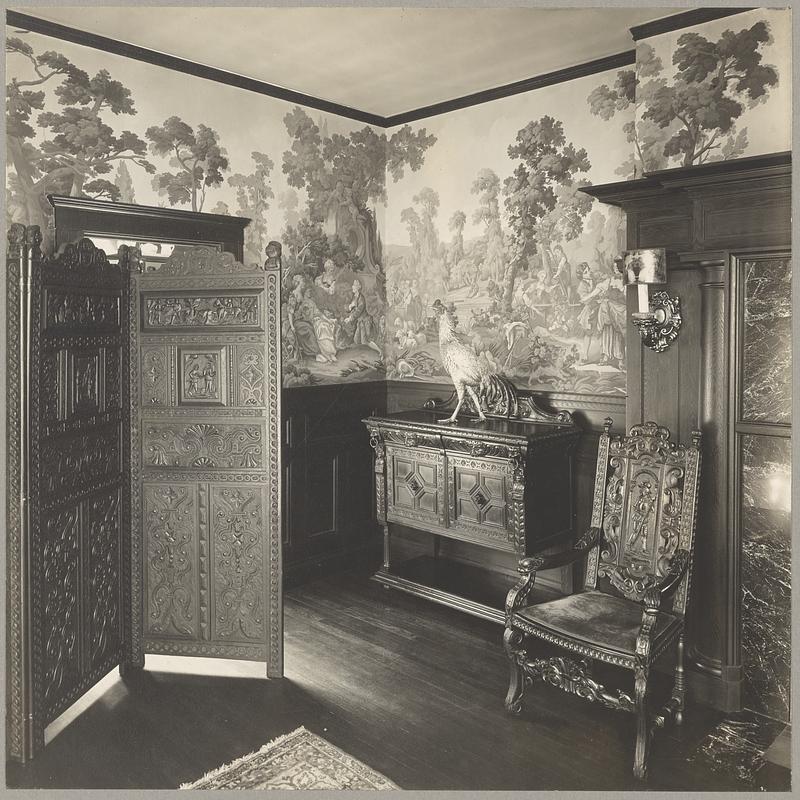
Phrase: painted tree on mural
(348,172)
(288,202)
(487,186)
(714,83)
(223,209)
(631,89)
(70,149)
(307,246)
(124,184)
(541,196)
(253,193)
(196,156)
(427,254)
(427,200)
(411,219)
(455,253)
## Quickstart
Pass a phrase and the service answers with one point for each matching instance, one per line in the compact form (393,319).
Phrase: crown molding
(685,19)
(76,36)
(615,61)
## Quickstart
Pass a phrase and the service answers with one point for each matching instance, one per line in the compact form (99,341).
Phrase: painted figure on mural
(357,328)
(327,279)
(301,311)
(611,315)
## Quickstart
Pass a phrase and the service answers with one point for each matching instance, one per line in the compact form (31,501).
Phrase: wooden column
(710,647)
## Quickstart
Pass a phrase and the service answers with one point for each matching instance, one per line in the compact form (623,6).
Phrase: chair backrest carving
(645,503)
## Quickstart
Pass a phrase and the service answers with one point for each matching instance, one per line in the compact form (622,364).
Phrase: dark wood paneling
(759,218)
(674,230)
(735,205)
(327,462)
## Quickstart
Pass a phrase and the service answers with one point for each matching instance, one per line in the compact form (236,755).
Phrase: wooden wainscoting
(589,412)
(329,519)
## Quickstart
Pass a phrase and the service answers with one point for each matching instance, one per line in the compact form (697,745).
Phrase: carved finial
(696,436)
(130,258)
(607,423)
(273,251)
(16,234)
(33,235)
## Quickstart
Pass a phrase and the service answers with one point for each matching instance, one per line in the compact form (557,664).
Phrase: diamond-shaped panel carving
(479,498)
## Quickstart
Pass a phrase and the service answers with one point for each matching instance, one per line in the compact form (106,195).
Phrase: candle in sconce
(644,301)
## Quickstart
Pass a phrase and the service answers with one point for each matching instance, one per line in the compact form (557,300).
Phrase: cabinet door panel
(416,486)
(479,492)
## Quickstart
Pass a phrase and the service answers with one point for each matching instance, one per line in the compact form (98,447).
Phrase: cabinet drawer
(479,498)
(415,485)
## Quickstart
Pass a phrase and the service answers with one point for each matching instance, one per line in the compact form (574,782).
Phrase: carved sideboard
(503,484)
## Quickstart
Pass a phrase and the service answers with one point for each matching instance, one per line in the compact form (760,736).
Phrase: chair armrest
(666,587)
(581,546)
(528,568)
(653,598)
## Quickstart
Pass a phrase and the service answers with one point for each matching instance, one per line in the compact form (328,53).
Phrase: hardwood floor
(413,689)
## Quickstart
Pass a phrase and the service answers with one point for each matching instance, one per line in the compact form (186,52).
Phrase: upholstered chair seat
(601,620)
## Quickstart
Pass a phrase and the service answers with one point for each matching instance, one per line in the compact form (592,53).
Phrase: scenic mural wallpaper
(85,123)
(717,91)
(495,225)
(480,209)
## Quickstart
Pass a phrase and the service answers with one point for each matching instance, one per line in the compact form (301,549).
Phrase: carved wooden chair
(638,573)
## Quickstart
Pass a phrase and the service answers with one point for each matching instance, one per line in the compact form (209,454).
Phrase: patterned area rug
(298,760)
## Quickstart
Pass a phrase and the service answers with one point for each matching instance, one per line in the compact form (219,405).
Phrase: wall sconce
(659,316)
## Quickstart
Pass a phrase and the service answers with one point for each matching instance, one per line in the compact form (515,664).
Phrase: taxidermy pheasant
(468,374)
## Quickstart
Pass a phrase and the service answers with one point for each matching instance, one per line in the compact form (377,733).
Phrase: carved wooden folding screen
(67,479)
(205,449)
(143,476)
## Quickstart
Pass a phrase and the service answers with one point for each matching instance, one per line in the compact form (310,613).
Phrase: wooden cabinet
(504,484)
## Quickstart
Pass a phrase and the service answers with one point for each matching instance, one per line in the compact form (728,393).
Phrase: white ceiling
(381,60)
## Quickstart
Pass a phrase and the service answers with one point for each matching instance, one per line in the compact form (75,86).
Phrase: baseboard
(720,691)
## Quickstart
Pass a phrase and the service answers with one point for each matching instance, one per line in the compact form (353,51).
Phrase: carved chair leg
(679,690)
(512,639)
(641,674)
